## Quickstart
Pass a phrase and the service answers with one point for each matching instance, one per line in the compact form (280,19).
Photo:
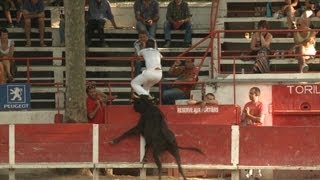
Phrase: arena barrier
(226,147)
(296,105)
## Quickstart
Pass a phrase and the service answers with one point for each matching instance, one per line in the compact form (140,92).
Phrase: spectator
(153,73)
(305,43)
(260,47)
(6,6)
(291,9)
(209,98)
(253,113)
(2,74)
(312,9)
(96,101)
(99,10)
(147,16)
(6,51)
(33,9)
(139,45)
(62,29)
(185,73)
(178,17)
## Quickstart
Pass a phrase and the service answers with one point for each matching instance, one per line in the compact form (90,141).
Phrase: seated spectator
(312,9)
(147,16)
(291,9)
(33,10)
(305,43)
(2,74)
(209,98)
(99,11)
(139,45)
(6,6)
(6,51)
(178,17)
(260,47)
(185,73)
(62,29)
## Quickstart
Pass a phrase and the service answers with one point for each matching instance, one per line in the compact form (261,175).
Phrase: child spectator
(6,51)
(209,98)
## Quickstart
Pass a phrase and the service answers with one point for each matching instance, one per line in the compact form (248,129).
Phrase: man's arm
(169,12)
(92,113)
(246,115)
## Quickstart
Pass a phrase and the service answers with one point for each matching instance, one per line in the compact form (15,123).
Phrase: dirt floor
(53,174)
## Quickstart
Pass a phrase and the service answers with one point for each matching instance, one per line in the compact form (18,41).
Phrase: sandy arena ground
(52,174)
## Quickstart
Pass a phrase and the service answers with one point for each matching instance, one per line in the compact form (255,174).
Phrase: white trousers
(144,81)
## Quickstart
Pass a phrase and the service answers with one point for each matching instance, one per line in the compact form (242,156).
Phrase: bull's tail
(192,149)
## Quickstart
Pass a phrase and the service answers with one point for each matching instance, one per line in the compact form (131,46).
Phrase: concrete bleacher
(240,15)
(45,70)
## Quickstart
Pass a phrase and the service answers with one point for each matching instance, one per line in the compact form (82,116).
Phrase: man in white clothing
(153,73)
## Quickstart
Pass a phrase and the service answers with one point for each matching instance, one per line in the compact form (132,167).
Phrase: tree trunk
(75,61)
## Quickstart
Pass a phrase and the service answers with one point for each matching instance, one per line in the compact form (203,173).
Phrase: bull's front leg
(132,131)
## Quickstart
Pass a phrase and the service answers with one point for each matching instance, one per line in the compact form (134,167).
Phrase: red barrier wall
(219,115)
(4,144)
(127,150)
(53,143)
(296,105)
(279,146)
(213,140)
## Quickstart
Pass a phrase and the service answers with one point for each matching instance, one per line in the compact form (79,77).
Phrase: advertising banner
(14,97)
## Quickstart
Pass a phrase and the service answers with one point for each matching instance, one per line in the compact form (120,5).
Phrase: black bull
(153,127)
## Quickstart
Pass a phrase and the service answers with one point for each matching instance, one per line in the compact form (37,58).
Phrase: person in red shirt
(253,112)
(96,101)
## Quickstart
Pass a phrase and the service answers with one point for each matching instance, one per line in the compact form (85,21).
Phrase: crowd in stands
(298,18)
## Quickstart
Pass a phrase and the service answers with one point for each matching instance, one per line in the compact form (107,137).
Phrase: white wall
(27,117)
(225,95)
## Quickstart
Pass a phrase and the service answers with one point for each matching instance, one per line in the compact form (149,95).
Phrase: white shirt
(152,57)
(6,51)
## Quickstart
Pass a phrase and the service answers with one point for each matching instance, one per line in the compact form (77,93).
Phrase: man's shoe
(304,68)
(186,45)
(104,44)
(10,25)
(18,24)
(167,44)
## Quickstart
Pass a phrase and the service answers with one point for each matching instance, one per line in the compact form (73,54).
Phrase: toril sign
(304,89)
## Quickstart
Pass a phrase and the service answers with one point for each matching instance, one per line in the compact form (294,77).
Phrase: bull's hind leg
(156,158)
(175,153)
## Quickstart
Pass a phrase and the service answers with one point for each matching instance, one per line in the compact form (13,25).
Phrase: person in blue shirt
(99,11)
(33,9)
